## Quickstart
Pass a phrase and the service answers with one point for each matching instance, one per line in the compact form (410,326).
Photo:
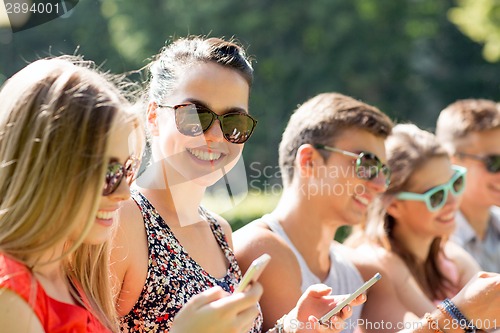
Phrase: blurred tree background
(410,57)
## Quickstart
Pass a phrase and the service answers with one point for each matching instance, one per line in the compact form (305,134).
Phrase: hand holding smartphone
(324,320)
(253,272)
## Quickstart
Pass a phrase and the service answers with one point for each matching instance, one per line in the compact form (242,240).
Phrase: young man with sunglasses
(470,129)
(331,160)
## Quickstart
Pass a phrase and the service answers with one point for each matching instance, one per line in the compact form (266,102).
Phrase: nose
(214,133)
(452,199)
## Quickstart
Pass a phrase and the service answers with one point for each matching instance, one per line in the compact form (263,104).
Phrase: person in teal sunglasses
(408,226)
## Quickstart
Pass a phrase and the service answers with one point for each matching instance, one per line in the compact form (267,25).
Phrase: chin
(208,179)
(97,237)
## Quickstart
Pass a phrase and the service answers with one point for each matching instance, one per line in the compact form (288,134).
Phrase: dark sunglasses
(368,165)
(194,119)
(436,197)
(491,162)
(117,171)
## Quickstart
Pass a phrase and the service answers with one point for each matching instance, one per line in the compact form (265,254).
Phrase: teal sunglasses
(436,197)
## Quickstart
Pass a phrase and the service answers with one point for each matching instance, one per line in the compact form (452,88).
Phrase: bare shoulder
(16,315)
(383,303)
(466,264)
(280,294)
(456,253)
(371,258)
(129,256)
(255,239)
(130,227)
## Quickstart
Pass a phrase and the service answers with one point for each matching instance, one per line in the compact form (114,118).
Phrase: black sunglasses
(117,171)
(368,165)
(194,119)
(491,162)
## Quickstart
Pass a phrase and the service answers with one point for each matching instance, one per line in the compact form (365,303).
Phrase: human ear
(306,159)
(395,208)
(152,118)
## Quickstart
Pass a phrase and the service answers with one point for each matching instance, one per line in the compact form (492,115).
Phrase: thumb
(318,290)
(206,297)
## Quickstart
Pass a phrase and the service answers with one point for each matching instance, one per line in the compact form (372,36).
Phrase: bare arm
(129,257)
(282,277)
(16,315)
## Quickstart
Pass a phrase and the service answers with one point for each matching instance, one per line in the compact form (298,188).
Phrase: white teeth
(363,200)
(105,215)
(448,217)
(204,155)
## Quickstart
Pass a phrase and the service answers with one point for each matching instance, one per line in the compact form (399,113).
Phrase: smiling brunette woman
(169,248)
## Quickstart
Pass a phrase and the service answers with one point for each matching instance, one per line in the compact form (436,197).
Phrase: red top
(55,316)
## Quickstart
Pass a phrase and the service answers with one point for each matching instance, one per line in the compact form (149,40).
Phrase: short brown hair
(321,119)
(463,117)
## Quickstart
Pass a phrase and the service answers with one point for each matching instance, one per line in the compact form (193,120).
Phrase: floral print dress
(173,276)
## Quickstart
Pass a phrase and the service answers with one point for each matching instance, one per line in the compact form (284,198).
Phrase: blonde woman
(66,164)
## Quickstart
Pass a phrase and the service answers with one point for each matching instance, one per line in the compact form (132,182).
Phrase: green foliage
(405,57)
(480,20)
(402,56)
(253,206)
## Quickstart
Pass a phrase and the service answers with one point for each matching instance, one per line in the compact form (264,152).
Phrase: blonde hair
(55,119)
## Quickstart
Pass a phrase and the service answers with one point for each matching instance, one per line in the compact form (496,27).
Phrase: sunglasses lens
(493,163)
(437,198)
(114,176)
(192,120)
(369,166)
(238,127)
(131,167)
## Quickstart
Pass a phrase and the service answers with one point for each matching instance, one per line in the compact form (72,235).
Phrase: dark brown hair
(184,52)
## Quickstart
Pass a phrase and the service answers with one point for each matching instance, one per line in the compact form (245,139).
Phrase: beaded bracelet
(433,323)
(452,310)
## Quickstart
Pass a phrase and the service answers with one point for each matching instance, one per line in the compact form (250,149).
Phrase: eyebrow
(227,110)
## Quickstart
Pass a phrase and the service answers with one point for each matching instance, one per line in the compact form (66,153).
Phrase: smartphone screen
(253,272)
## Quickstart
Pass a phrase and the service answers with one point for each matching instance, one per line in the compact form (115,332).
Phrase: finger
(246,318)
(358,300)
(318,290)
(486,274)
(335,324)
(206,297)
(241,301)
(346,312)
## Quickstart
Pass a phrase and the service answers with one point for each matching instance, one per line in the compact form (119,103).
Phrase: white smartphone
(324,320)
(253,272)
